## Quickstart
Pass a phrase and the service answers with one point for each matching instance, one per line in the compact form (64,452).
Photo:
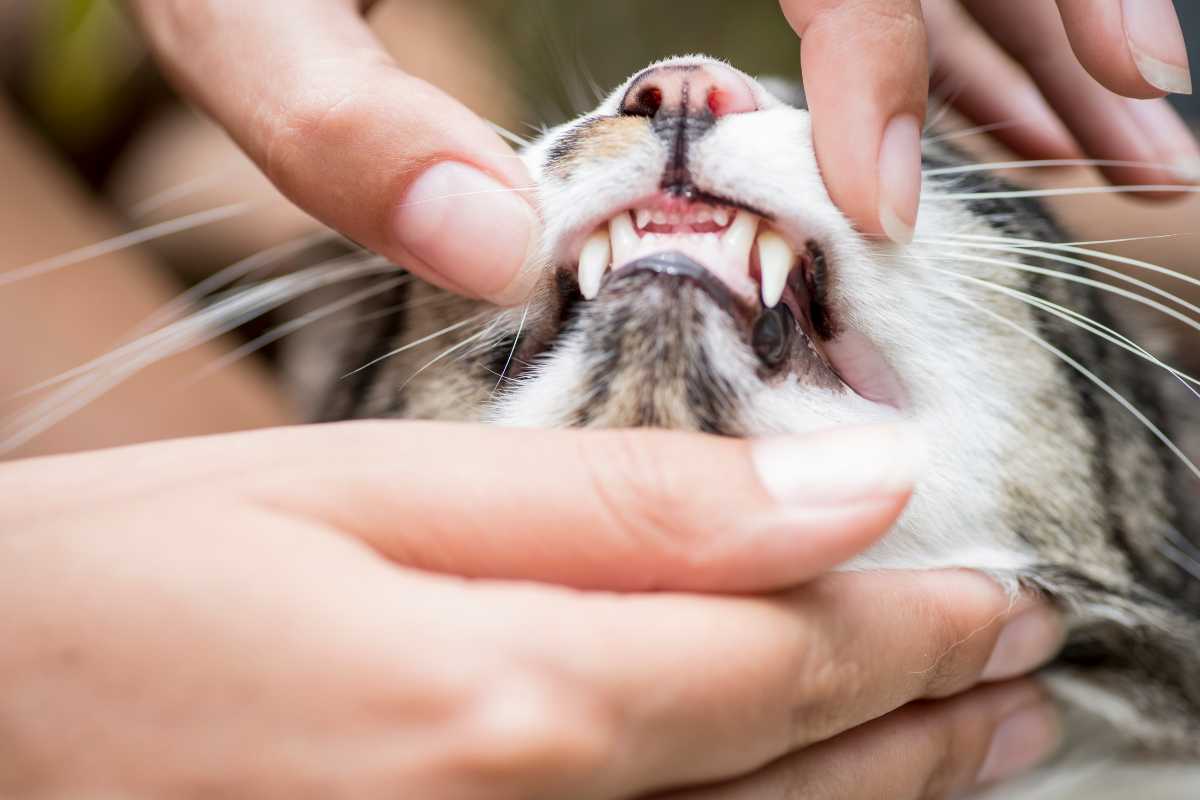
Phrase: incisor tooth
(593,261)
(775,259)
(721,216)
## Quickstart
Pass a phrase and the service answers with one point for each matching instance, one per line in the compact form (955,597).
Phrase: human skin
(393,609)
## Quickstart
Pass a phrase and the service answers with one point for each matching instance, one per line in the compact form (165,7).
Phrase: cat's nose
(689,90)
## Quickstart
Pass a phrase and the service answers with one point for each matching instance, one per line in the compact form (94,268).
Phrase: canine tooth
(720,216)
(643,218)
(775,259)
(593,261)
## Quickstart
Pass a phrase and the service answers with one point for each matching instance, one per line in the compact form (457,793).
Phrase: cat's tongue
(749,258)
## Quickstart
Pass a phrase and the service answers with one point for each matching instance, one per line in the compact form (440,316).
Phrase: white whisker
(1104,287)
(291,326)
(513,351)
(1148,188)
(118,243)
(508,135)
(1079,320)
(101,374)
(1043,163)
(973,131)
(467,194)
(448,351)
(1028,245)
(448,329)
(1082,370)
(189,187)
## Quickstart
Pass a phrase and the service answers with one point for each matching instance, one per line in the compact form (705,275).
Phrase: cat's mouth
(772,285)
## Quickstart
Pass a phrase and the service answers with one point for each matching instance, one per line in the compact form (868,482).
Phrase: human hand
(350,610)
(312,97)
(1054,79)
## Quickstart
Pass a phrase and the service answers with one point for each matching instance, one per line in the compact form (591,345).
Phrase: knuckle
(530,731)
(647,501)
(825,686)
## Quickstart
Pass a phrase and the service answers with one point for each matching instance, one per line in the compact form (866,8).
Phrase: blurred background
(94,143)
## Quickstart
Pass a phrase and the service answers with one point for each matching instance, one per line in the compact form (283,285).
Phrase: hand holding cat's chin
(418,610)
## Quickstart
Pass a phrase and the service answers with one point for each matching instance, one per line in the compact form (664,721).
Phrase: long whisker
(973,131)
(167,196)
(1104,287)
(1042,163)
(235,272)
(442,355)
(1026,245)
(118,243)
(505,190)
(1148,188)
(105,372)
(505,133)
(513,351)
(190,299)
(1084,371)
(436,334)
(1079,320)
(291,326)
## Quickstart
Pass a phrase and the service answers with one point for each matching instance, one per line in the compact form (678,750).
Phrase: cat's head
(695,274)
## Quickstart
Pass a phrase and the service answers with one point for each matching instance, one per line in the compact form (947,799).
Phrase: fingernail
(900,177)
(1169,137)
(839,466)
(1188,169)
(1157,44)
(1024,739)
(475,232)
(1027,642)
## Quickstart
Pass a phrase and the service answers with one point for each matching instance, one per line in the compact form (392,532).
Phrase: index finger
(387,159)
(868,109)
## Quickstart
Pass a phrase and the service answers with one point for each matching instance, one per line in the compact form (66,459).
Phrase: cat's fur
(1036,474)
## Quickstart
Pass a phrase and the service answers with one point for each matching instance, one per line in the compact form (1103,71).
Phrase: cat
(695,274)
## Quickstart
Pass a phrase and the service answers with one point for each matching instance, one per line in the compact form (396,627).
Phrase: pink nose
(689,90)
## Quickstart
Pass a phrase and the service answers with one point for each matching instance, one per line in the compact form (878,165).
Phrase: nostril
(646,103)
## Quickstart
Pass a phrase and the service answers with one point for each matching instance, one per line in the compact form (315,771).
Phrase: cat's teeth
(739,237)
(701,217)
(775,259)
(643,218)
(593,261)
(720,216)
(624,238)
(659,217)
